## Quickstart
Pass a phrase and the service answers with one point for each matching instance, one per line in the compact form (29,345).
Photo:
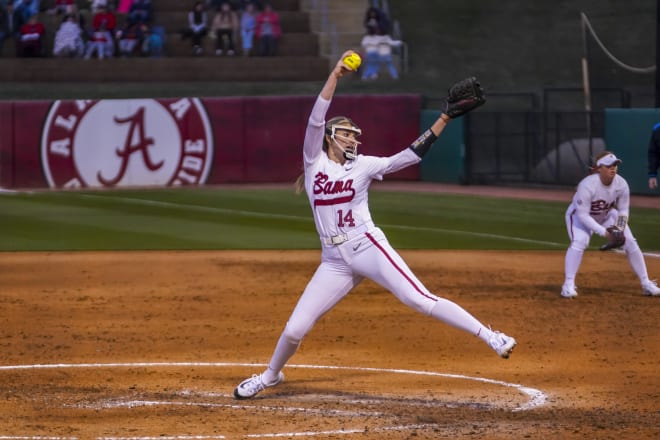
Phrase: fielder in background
(601,205)
(336,179)
(654,156)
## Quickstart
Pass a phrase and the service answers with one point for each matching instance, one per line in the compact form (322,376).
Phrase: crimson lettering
(322,185)
(343,192)
(600,206)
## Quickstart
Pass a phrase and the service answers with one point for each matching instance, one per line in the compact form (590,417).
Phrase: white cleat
(502,344)
(651,288)
(568,292)
(252,386)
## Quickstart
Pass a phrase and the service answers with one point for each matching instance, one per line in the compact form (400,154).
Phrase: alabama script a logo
(136,142)
(338,191)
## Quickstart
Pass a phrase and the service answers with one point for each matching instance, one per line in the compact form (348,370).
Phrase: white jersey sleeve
(379,166)
(623,198)
(313,144)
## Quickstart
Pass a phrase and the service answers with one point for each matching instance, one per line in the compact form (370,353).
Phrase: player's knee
(631,245)
(295,332)
(579,244)
(421,303)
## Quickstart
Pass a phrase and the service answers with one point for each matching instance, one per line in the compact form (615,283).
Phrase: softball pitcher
(601,205)
(337,180)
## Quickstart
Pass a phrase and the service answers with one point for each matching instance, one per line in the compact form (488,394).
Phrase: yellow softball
(353,61)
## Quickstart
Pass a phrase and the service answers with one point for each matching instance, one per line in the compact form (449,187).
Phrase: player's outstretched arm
(463,97)
(340,69)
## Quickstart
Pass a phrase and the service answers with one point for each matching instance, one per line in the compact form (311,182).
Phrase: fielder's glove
(463,97)
(615,239)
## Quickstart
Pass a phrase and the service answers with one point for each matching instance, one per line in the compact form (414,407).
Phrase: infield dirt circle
(145,345)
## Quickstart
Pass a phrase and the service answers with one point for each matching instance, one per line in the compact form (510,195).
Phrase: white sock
(454,315)
(636,260)
(571,265)
(283,352)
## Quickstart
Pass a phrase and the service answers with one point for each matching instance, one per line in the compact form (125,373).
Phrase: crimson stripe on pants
(412,283)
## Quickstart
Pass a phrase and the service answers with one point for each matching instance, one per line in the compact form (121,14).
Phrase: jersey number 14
(345,220)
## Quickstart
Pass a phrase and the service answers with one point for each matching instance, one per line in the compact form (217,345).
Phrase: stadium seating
(299,57)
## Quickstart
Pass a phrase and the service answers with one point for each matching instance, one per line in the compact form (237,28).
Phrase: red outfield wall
(183,141)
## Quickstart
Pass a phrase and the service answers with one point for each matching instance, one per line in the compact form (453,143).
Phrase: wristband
(621,222)
(423,143)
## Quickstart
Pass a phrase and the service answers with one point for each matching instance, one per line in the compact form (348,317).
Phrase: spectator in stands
(6,23)
(108,20)
(154,42)
(101,43)
(385,46)
(62,7)
(375,19)
(225,25)
(31,43)
(68,38)
(140,12)
(30,8)
(370,65)
(130,38)
(267,31)
(80,19)
(654,156)
(105,17)
(197,27)
(378,53)
(248,25)
(97,5)
(21,11)
(124,6)
(236,5)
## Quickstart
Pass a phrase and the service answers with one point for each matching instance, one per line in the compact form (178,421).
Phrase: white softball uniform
(352,247)
(595,207)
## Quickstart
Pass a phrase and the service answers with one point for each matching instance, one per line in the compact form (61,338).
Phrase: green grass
(278,219)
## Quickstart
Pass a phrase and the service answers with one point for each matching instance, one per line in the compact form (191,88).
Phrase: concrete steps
(294,68)
(289,45)
(180,5)
(174,21)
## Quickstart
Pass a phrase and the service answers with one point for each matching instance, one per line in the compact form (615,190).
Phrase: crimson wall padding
(6,143)
(28,120)
(184,141)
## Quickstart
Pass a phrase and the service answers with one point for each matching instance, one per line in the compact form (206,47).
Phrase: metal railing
(531,147)
(519,138)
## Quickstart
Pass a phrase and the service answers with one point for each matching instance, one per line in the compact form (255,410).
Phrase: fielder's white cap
(608,160)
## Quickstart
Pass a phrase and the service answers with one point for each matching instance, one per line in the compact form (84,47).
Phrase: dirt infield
(148,345)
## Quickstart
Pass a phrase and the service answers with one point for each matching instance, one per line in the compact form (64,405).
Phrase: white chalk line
(306,219)
(34,437)
(138,403)
(536,398)
(266,435)
(421,426)
(256,214)
(345,431)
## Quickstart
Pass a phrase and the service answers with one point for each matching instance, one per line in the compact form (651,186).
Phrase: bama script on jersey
(601,207)
(340,191)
